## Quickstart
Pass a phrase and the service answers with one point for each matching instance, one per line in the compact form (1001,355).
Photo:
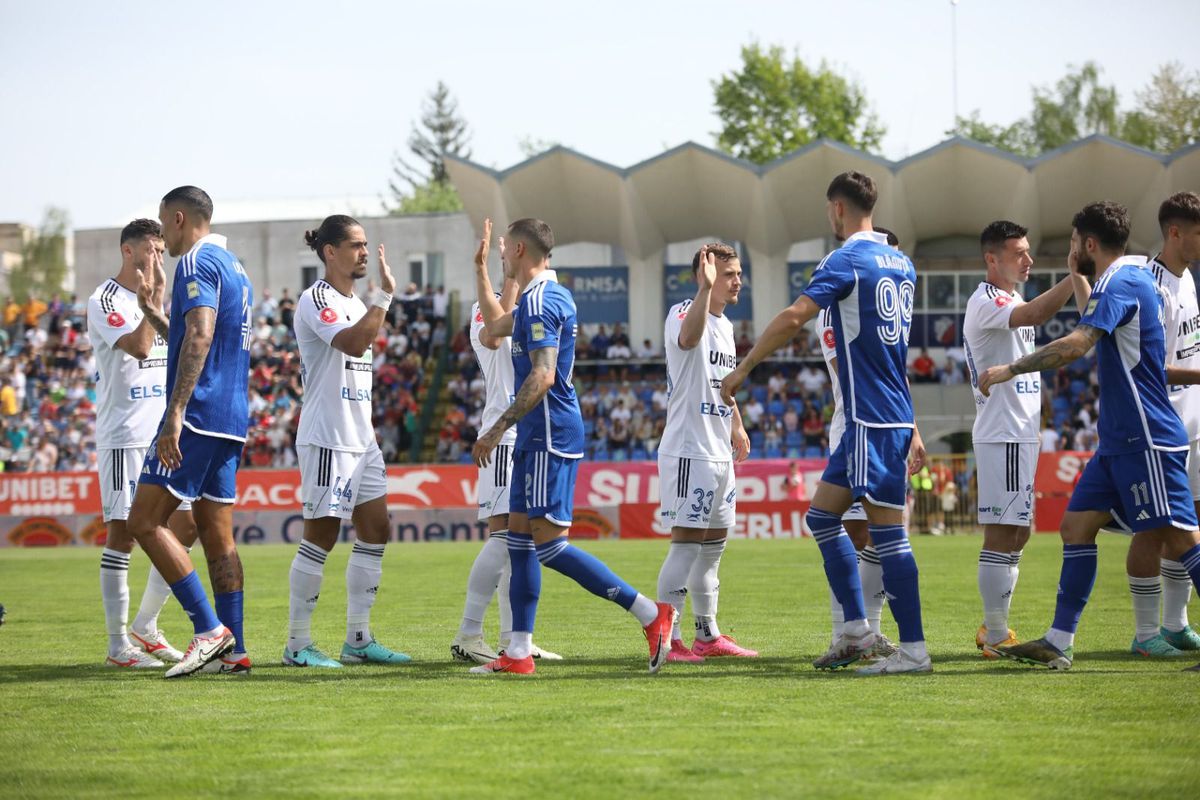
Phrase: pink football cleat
(721,646)
(682,653)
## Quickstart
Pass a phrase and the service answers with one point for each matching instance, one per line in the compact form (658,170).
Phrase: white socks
(153,599)
(521,644)
(1147,594)
(838,616)
(1060,639)
(114,593)
(1176,592)
(482,584)
(645,609)
(705,587)
(870,573)
(995,587)
(304,583)
(673,578)
(363,572)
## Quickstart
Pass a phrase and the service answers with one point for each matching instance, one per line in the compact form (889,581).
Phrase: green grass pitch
(596,724)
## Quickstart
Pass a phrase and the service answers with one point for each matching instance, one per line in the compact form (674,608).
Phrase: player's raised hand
(707,274)
(145,287)
(1000,373)
(731,383)
(481,252)
(481,453)
(387,281)
(1073,259)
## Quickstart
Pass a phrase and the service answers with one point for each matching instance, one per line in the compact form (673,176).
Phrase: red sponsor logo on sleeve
(1002,301)
(830,339)
(115,320)
(479,316)
(328,315)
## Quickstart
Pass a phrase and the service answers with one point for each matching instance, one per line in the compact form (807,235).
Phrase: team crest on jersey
(830,339)
(328,315)
(1091,307)
(1002,300)
(115,320)
(479,316)
(193,290)
(538,331)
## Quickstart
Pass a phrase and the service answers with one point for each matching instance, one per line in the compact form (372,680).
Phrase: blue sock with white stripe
(841,562)
(900,580)
(1191,562)
(1075,584)
(525,583)
(190,594)
(229,610)
(588,571)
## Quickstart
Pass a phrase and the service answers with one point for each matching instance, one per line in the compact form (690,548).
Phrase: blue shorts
(543,486)
(1142,491)
(208,470)
(873,464)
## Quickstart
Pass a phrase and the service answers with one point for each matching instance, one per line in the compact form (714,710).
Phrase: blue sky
(108,105)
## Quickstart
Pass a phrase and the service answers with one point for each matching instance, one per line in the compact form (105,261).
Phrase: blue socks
(190,594)
(1075,584)
(585,569)
(841,562)
(899,579)
(229,609)
(525,585)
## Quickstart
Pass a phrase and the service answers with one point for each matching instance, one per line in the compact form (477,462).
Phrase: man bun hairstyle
(1181,207)
(535,233)
(720,251)
(141,229)
(854,188)
(1107,222)
(193,199)
(997,233)
(333,230)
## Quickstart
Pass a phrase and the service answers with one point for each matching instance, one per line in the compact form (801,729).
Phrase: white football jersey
(131,395)
(497,368)
(837,423)
(1182,327)
(1013,411)
(336,413)
(699,424)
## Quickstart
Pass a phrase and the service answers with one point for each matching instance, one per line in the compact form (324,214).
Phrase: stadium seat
(620,454)
(793,452)
(773,451)
(759,393)
(793,439)
(776,407)
(757,439)
(814,451)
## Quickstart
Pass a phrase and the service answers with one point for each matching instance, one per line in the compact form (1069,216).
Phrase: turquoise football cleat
(1186,639)
(1156,647)
(308,657)
(372,653)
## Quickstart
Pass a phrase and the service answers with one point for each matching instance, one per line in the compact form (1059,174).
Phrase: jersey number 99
(894,305)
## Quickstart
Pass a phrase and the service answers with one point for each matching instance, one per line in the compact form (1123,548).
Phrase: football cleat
(231,664)
(372,653)
(535,652)
(516,666)
(202,650)
(133,658)
(883,648)
(155,644)
(683,654)
(845,651)
(472,648)
(1155,647)
(981,641)
(1186,639)
(308,657)
(1039,653)
(658,635)
(722,646)
(897,663)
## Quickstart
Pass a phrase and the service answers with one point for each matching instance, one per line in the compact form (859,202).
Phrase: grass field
(596,724)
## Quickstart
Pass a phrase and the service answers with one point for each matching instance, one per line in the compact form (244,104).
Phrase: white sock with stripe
(114,594)
(673,578)
(304,587)
(483,582)
(1147,597)
(363,572)
(995,586)
(1176,593)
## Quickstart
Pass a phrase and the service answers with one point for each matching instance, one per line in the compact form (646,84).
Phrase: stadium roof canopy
(950,190)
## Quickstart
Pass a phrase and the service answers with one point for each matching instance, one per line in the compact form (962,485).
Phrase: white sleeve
(992,313)
(674,324)
(325,323)
(109,326)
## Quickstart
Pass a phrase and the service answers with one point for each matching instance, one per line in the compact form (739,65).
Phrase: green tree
(776,103)
(425,187)
(43,267)
(1168,115)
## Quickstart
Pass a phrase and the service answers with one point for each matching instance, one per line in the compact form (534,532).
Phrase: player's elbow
(139,353)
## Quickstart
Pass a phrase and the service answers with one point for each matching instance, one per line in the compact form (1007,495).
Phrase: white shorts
(118,469)
(334,482)
(1193,468)
(1005,473)
(493,483)
(696,493)
(855,512)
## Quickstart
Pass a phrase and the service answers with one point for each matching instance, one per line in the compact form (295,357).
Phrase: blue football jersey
(868,288)
(209,275)
(545,317)
(1135,411)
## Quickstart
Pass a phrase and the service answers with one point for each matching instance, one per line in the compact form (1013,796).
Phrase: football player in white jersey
(342,473)
(131,376)
(491,571)
(1179,218)
(703,436)
(999,329)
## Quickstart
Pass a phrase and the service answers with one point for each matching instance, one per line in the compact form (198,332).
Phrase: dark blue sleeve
(1110,304)
(832,279)
(200,285)
(544,329)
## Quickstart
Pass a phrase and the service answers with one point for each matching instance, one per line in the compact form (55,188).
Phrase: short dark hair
(892,239)
(141,229)
(720,251)
(534,232)
(1180,207)
(997,233)
(334,230)
(855,188)
(193,198)
(1107,221)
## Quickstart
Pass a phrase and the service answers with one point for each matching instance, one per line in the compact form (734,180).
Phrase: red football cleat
(517,666)
(682,653)
(658,635)
(722,646)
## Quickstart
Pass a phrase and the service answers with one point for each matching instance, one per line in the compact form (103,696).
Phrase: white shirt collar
(871,236)
(1133,261)
(210,238)
(544,275)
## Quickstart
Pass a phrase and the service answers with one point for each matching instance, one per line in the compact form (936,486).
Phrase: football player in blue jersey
(1138,476)
(549,446)
(203,430)
(868,287)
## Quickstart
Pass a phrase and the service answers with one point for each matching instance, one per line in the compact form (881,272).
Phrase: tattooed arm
(541,378)
(193,353)
(1075,344)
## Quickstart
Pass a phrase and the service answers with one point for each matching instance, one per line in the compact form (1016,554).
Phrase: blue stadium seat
(756,452)
(759,393)
(814,451)
(620,454)
(639,453)
(1077,386)
(795,405)
(773,451)
(793,452)
(793,439)
(776,407)
(757,439)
